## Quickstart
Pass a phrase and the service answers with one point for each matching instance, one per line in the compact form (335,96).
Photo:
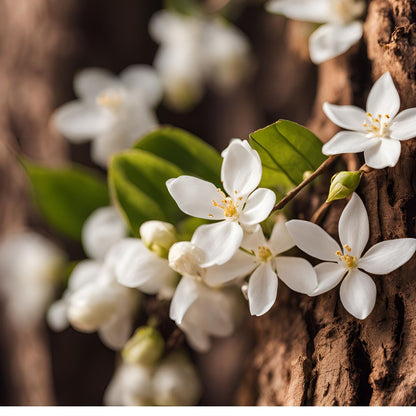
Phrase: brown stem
(290,195)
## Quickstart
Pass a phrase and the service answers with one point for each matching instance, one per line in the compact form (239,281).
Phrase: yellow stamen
(264,254)
(349,261)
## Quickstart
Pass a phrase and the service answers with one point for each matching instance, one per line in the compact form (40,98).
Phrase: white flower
(102,229)
(243,207)
(30,266)
(265,264)
(114,112)
(378,132)
(138,267)
(340,29)
(158,236)
(358,290)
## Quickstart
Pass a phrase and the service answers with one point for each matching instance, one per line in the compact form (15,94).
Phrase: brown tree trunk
(310,350)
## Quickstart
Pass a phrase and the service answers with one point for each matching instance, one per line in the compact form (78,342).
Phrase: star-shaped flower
(358,290)
(377,132)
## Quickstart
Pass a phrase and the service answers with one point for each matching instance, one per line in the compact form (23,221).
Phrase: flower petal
(240,265)
(197,338)
(116,332)
(328,275)
(387,256)
(403,126)
(219,241)
(347,142)
(297,273)
(262,289)
(57,315)
(332,39)
(383,97)
(241,170)
(79,121)
(346,116)
(144,80)
(185,295)
(316,11)
(353,227)
(280,240)
(313,240)
(385,153)
(195,197)
(89,82)
(358,294)
(258,206)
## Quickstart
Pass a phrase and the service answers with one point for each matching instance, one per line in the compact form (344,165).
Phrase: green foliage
(192,155)
(138,185)
(186,7)
(287,151)
(66,196)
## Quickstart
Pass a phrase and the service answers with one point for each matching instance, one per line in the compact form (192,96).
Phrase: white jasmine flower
(378,132)
(358,290)
(112,111)
(102,229)
(243,207)
(340,30)
(264,265)
(30,266)
(158,236)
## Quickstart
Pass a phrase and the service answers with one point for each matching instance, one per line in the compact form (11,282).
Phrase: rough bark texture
(311,351)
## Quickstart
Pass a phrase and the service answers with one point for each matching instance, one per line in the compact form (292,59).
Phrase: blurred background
(42,44)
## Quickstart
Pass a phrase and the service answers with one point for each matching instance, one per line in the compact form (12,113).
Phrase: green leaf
(137,183)
(186,7)
(187,227)
(183,149)
(66,196)
(287,150)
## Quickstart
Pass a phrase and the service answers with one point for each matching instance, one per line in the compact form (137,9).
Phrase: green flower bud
(343,184)
(158,236)
(144,347)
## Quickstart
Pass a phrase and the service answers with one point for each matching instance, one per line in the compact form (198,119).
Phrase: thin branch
(290,195)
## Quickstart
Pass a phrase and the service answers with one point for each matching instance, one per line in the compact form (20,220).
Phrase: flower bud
(158,237)
(144,347)
(185,258)
(343,184)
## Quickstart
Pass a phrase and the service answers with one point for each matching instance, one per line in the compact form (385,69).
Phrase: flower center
(264,254)
(111,99)
(377,126)
(229,207)
(347,10)
(350,261)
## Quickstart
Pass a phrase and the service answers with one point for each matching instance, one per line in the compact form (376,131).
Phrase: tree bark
(310,350)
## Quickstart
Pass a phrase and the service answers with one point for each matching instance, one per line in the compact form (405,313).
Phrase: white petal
(79,121)
(385,153)
(240,265)
(103,228)
(346,116)
(358,294)
(144,80)
(331,40)
(219,241)
(89,82)
(316,11)
(198,339)
(404,125)
(252,240)
(195,197)
(313,240)
(258,206)
(57,315)
(347,142)
(241,170)
(328,275)
(84,272)
(262,289)
(297,273)
(353,227)
(387,256)
(383,97)
(116,332)
(185,295)
(280,240)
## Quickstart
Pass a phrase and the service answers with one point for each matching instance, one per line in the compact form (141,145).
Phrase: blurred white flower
(265,265)
(193,50)
(30,266)
(112,111)
(340,30)
(240,210)
(358,291)
(378,132)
